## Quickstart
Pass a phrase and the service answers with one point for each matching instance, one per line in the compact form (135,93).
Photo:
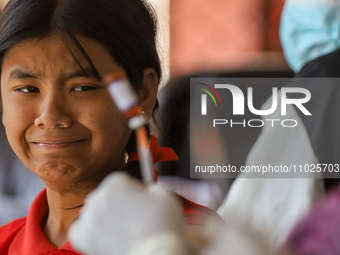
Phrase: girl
(59,117)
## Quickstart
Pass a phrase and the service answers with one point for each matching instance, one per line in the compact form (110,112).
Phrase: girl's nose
(53,114)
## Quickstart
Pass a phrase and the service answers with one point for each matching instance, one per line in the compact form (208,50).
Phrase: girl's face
(61,123)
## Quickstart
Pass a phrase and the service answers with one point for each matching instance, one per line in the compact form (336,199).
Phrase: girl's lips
(56,144)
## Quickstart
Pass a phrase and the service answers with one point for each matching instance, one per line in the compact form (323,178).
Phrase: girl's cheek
(17,120)
(17,117)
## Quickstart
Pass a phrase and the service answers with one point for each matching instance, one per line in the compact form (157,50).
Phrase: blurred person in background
(309,29)
(272,207)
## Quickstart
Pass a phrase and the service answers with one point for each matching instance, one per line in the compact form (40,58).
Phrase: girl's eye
(83,88)
(28,89)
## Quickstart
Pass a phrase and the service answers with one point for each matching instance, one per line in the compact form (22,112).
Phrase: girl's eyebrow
(20,74)
(86,72)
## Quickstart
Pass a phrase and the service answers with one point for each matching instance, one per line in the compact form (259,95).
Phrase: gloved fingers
(121,181)
(114,188)
(79,236)
(164,197)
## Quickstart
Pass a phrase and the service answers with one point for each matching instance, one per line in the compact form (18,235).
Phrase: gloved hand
(123,216)
(225,239)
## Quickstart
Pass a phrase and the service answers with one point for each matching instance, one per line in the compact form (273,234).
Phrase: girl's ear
(148,92)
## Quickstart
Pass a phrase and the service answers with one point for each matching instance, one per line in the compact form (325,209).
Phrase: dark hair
(127,28)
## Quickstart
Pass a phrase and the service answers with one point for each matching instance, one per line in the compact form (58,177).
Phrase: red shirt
(24,236)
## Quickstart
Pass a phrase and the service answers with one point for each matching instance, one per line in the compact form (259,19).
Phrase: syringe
(127,102)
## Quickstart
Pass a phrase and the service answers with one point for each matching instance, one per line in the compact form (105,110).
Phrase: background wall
(200,35)
(224,34)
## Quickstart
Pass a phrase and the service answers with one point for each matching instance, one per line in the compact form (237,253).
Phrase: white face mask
(309,29)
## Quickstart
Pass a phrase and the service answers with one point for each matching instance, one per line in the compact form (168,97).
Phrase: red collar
(158,154)
(31,240)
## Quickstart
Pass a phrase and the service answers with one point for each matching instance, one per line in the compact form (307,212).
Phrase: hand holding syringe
(127,102)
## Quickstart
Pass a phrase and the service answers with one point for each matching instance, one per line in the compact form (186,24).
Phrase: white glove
(224,239)
(123,216)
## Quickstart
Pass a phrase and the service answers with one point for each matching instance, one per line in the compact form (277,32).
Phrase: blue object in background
(309,29)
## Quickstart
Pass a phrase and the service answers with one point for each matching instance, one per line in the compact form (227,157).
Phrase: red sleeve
(8,233)
(195,214)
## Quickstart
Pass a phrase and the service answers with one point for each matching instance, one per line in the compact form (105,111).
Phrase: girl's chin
(56,169)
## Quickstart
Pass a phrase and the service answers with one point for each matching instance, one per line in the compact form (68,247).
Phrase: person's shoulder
(8,233)
(325,66)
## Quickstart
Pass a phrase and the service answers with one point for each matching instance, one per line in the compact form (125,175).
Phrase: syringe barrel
(123,94)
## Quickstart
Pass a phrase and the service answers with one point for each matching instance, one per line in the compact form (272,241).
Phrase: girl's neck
(64,208)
